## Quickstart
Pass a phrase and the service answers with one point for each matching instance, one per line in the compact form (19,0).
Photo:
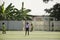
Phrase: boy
(3,28)
(31,27)
(27,28)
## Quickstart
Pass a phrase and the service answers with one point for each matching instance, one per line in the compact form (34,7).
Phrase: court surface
(35,35)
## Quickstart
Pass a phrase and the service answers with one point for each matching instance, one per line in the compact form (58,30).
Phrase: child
(27,28)
(3,28)
(31,27)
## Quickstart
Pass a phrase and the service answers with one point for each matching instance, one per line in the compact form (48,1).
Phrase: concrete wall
(12,25)
(46,25)
(56,25)
(37,25)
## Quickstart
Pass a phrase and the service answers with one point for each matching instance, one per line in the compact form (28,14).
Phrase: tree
(11,13)
(24,12)
(2,11)
(55,11)
(46,1)
(5,13)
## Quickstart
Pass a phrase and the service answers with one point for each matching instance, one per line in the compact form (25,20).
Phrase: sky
(37,6)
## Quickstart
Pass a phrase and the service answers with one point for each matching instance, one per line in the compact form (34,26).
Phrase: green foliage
(55,11)
(24,13)
(5,12)
(11,13)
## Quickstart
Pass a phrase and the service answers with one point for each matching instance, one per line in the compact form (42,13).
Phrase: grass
(35,35)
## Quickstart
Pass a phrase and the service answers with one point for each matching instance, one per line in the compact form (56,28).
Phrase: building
(40,23)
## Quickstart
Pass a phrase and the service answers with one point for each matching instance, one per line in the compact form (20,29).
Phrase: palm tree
(24,12)
(6,13)
(11,13)
(2,11)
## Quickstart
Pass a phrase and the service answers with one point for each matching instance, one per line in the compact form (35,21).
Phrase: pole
(49,23)
(22,8)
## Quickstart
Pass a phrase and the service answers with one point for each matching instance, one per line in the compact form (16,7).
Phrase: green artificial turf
(20,35)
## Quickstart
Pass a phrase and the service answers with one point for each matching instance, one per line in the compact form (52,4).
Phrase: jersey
(27,26)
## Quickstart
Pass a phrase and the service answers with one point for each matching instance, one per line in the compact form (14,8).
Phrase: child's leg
(28,31)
